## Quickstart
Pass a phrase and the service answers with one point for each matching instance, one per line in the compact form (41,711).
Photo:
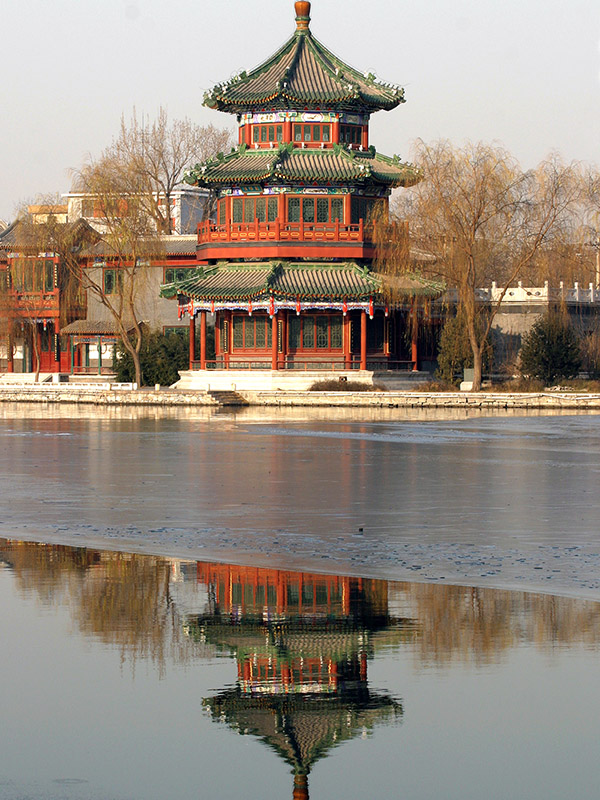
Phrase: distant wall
(156,311)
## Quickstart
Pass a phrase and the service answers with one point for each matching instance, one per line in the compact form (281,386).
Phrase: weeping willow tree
(590,251)
(476,217)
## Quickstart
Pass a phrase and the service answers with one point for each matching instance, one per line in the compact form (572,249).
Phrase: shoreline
(275,398)
(197,553)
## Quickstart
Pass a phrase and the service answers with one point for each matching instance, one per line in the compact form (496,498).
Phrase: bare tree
(131,184)
(158,152)
(128,245)
(479,218)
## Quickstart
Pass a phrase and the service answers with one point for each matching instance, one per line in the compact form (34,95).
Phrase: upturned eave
(303,73)
(294,165)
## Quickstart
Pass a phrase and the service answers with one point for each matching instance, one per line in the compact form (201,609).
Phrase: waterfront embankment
(407,399)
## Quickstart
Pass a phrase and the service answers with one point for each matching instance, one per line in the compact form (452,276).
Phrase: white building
(188,208)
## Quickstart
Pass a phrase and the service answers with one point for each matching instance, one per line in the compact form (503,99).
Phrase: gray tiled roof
(90,327)
(19,235)
(8,237)
(161,246)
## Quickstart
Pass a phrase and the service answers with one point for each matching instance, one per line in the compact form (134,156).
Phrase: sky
(525,74)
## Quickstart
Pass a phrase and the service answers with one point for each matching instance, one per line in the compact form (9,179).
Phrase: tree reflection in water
(301,641)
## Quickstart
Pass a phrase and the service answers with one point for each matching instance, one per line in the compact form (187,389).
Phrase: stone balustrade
(534,295)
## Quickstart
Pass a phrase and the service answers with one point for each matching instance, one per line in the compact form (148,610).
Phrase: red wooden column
(284,337)
(363,340)
(274,342)
(203,340)
(228,337)
(346,341)
(347,209)
(335,133)
(414,350)
(192,340)
(287,131)
(365,137)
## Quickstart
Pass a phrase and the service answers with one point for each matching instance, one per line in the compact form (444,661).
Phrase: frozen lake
(258,602)
(508,501)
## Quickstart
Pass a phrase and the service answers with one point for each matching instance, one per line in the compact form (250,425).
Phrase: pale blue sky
(526,74)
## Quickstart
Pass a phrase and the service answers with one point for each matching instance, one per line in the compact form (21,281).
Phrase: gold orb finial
(302,15)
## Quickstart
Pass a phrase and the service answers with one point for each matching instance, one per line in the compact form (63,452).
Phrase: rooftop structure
(303,73)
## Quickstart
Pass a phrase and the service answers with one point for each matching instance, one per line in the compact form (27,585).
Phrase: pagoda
(286,265)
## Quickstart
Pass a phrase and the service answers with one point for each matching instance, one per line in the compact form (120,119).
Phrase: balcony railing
(307,364)
(209,232)
(35,302)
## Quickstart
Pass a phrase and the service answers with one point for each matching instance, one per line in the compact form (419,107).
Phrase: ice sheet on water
(465,501)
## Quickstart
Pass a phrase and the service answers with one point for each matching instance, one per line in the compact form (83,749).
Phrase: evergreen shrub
(161,357)
(455,352)
(551,350)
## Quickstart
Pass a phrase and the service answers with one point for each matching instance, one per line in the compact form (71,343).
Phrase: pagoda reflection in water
(302,643)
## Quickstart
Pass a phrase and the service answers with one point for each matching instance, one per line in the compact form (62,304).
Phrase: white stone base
(291,380)
(262,379)
(13,378)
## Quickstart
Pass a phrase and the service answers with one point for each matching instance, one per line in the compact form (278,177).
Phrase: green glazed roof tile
(292,282)
(337,164)
(303,73)
(300,281)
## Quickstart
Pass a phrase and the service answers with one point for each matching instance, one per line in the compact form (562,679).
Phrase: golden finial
(302,15)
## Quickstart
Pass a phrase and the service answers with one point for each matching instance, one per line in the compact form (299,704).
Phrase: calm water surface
(132,676)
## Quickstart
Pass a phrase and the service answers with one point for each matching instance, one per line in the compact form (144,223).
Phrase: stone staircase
(228,398)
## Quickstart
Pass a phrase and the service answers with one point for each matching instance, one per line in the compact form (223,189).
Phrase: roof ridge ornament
(302,15)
